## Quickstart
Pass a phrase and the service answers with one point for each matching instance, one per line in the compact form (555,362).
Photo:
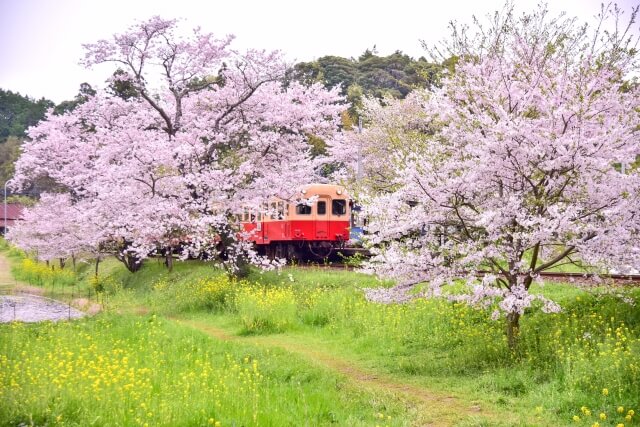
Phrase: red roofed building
(14,213)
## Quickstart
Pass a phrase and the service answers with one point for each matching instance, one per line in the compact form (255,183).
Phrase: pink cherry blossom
(522,161)
(211,131)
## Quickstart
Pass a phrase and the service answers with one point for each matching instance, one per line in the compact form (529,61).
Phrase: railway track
(327,266)
(628,279)
(619,278)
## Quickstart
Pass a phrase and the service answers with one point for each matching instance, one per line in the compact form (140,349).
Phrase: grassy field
(578,367)
(132,370)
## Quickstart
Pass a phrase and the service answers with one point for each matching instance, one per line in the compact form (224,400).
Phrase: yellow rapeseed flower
(631,412)
(628,418)
(603,416)
(576,418)
(619,425)
(596,424)
(620,409)
(605,391)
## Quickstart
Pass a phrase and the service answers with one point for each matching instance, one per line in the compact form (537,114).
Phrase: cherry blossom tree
(528,163)
(55,229)
(393,129)
(203,132)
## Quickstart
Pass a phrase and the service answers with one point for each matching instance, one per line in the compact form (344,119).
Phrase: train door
(322,218)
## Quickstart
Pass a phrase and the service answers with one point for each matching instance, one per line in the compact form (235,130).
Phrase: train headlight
(338,192)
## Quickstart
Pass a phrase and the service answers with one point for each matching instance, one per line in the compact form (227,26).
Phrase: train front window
(322,207)
(339,207)
(302,209)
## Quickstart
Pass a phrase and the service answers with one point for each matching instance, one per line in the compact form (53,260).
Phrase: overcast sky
(41,40)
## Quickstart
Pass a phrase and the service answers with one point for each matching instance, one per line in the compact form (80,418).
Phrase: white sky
(40,40)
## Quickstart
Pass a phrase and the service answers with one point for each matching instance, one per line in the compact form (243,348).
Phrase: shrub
(36,273)
(265,309)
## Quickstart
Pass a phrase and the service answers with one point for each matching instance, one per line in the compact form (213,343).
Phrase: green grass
(563,363)
(131,370)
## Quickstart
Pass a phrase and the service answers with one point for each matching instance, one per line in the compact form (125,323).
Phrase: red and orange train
(311,229)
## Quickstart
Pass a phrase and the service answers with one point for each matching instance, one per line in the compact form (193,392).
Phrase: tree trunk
(62,263)
(132,262)
(169,258)
(73,262)
(513,330)
(243,268)
(97,263)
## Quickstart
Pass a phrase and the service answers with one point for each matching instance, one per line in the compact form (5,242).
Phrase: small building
(14,213)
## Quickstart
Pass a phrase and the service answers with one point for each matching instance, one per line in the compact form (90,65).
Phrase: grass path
(7,282)
(431,408)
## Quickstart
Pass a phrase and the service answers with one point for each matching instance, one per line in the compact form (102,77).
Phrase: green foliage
(124,89)
(38,273)
(394,75)
(18,112)
(9,153)
(265,309)
(84,92)
(211,291)
(22,200)
(132,370)
(337,71)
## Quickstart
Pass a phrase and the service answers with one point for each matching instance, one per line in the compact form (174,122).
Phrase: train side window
(280,210)
(302,209)
(322,207)
(273,210)
(338,207)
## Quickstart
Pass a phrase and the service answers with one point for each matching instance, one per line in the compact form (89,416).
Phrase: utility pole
(359,164)
(5,206)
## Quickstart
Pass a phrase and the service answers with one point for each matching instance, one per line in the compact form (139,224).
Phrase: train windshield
(339,207)
(302,209)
